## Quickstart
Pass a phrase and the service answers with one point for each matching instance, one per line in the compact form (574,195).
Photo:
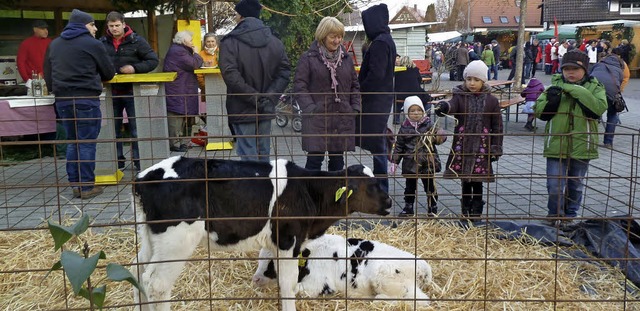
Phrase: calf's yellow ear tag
(341,191)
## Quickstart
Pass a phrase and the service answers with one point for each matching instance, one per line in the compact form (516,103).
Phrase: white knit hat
(477,69)
(412,101)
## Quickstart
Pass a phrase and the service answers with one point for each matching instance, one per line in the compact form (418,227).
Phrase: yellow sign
(194,27)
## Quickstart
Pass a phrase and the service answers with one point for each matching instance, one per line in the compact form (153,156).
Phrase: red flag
(555,25)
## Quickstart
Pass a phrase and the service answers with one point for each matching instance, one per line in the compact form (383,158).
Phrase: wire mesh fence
(507,258)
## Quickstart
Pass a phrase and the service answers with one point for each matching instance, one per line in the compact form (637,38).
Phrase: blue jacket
(76,64)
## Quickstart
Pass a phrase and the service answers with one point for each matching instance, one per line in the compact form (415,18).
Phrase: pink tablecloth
(26,120)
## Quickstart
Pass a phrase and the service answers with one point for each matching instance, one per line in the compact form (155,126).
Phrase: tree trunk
(520,47)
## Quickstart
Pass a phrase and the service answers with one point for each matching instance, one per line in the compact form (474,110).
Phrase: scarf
(416,124)
(332,60)
(211,51)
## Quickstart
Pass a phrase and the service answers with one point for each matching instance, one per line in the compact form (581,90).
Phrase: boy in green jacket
(571,107)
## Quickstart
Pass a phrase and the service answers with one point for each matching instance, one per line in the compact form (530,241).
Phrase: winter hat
(412,101)
(249,8)
(80,17)
(576,58)
(477,69)
(38,23)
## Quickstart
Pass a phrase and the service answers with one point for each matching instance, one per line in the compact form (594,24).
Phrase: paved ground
(36,190)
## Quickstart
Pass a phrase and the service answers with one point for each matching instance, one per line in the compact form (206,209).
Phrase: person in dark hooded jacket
(376,76)
(610,72)
(256,70)
(74,67)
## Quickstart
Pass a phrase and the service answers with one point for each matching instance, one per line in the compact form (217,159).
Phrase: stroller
(286,108)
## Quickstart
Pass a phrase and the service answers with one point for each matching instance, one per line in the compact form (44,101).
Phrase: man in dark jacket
(256,70)
(462,60)
(496,53)
(376,75)
(609,71)
(130,53)
(74,66)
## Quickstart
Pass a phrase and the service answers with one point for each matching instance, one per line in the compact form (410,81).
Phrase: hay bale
(472,269)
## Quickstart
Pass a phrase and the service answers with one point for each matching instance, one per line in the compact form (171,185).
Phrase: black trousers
(411,185)
(471,191)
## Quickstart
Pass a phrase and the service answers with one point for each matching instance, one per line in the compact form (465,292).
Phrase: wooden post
(520,52)
(152,22)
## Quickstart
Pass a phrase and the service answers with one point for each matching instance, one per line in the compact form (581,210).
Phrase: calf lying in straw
(359,268)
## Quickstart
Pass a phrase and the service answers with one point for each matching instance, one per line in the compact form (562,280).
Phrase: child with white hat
(415,147)
(477,136)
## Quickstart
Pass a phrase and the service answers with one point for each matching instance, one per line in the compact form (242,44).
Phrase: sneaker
(88,194)
(551,221)
(136,165)
(76,192)
(568,224)
(407,211)
(432,211)
(608,146)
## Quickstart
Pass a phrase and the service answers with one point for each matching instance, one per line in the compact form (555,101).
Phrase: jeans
(526,72)
(253,142)
(379,152)
(610,128)
(315,159)
(81,120)
(494,68)
(564,185)
(126,103)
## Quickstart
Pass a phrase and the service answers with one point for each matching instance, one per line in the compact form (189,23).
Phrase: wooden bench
(636,70)
(505,105)
(425,81)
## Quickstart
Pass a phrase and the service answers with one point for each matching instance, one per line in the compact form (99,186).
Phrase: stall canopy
(564,33)
(444,36)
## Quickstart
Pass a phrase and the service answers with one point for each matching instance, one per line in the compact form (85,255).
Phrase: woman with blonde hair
(327,90)
(407,83)
(209,54)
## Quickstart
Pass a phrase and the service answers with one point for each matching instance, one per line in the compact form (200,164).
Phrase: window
(517,19)
(487,20)
(629,8)
(504,19)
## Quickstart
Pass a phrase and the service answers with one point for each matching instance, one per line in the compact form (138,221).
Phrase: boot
(529,126)
(477,207)
(407,211)
(432,211)
(466,207)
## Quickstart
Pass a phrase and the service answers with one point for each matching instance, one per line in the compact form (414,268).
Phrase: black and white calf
(355,267)
(237,205)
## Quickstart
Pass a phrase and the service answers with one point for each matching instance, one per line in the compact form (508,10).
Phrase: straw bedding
(472,269)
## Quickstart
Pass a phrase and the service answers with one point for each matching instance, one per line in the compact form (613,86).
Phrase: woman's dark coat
(376,75)
(181,59)
(321,113)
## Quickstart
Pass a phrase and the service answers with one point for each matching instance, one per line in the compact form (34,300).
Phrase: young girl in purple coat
(531,94)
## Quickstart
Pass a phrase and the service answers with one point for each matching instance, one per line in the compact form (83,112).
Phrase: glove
(266,106)
(554,94)
(441,108)
(392,168)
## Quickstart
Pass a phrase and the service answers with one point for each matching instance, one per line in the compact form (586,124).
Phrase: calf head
(362,193)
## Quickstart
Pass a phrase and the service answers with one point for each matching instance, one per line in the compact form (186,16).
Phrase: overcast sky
(396,5)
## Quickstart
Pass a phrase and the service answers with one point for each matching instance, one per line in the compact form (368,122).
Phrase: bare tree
(219,14)
(520,46)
